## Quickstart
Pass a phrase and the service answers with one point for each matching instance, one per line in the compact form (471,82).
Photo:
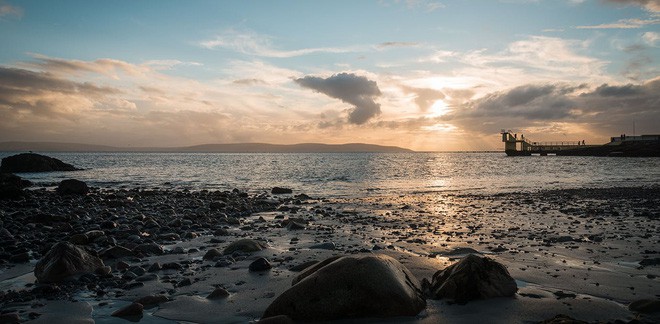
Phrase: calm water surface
(352,174)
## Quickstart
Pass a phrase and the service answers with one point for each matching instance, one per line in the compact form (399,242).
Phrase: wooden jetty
(643,145)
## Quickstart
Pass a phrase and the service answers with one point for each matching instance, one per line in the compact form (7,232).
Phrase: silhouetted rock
(350,287)
(31,162)
(11,186)
(244,245)
(279,191)
(64,260)
(473,277)
(72,187)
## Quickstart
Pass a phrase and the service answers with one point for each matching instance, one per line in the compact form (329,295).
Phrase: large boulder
(11,186)
(31,162)
(64,260)
(473,277)
(72,187)
(352,287)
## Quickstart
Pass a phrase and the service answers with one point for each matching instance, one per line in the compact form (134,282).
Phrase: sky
(421,74)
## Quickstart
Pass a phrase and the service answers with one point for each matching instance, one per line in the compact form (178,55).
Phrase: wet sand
(587,253)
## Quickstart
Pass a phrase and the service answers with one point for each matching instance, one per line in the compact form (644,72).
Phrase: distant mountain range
(210,148)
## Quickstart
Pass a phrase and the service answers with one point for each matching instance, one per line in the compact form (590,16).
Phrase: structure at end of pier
(515,145)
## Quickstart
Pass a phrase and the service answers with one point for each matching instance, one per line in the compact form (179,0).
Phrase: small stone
(155,267)
(562,319)
(10,318)
(323,246)
(72,187)
(152,300)
(184,282)
(280,190)
(212,254)
(218,293)
(244,245)
(260,264)
(132,310)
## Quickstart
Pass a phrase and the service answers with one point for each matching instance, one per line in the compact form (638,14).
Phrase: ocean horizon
(350,174)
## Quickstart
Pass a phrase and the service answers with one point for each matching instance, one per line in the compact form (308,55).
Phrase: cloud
(651,38)
(422,4)
(260,45)
(396,44)
(42,94)
(105,66)
(606,109)
(349,88)
(424,97)
(8,10)
(169,64)
(624,24)
(650,5)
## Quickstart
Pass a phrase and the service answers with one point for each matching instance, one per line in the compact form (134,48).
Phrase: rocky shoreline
(174,255)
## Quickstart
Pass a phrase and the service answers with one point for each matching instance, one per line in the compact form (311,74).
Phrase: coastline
(585,243)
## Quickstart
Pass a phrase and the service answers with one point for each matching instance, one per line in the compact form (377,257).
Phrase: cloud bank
(349,88)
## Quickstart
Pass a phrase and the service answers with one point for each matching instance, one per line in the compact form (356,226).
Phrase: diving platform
(520,146)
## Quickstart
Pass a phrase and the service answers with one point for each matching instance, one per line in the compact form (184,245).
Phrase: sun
(439,108)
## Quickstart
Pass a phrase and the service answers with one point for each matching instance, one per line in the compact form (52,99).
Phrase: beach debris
(133,310)
(72,187)
(351,287)
(218,293)
(260,264)
(562,319)
(280,191)
(473,277)
(64,260)
(645,306)
(32,162)
(244,245)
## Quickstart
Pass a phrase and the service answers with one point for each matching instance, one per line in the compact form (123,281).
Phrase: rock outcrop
(351,287)
(65,260)
(473,277)
(32,162)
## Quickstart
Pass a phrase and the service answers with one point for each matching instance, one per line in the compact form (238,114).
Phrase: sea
(350,174)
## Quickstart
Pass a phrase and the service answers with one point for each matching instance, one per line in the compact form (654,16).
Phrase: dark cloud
(349,88)
(43,93)
(606,108)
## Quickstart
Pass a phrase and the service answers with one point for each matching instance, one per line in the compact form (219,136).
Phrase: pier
(515,145)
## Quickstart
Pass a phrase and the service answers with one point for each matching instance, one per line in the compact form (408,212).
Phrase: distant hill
(210,148)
